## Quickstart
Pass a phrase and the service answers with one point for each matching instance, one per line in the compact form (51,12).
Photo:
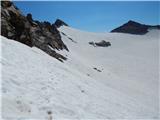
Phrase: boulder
(102,43)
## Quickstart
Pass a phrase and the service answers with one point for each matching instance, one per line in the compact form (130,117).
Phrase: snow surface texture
(37,86)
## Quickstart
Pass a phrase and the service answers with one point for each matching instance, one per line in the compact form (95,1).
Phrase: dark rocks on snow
(59,23)
(102,43)
(82,91)
(68,37)
(92,43)
(133,27)
(97,69)
(63,34)
(72,40)
(88,74)
(24,29)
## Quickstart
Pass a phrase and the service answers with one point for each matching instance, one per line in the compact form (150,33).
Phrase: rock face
(13,24)
(24,29)
(135,28)
(59,23)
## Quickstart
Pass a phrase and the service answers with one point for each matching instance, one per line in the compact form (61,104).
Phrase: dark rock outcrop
(102,43)
(98,70)
(24,29)
(59,23)
(13,23)
(133,27)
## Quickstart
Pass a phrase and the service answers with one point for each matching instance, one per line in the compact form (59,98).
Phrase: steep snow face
(123,85)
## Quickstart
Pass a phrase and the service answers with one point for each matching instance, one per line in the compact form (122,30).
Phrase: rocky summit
(59,23)
(133,27)
(44,35)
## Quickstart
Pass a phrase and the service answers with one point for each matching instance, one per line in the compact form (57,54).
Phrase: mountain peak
(59,23)
(133,27)
(131,22)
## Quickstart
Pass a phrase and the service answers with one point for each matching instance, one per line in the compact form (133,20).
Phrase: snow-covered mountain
(116,82)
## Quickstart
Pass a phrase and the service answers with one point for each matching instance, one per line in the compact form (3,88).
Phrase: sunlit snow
(33,83)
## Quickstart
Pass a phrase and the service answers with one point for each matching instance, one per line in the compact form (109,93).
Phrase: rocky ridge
(44,35)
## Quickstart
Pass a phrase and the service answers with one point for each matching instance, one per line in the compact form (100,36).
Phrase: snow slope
(34,83)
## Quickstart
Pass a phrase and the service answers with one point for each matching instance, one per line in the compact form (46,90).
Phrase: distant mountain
(24,29)
(133,27)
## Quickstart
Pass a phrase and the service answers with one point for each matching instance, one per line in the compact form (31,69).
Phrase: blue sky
(92,16)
